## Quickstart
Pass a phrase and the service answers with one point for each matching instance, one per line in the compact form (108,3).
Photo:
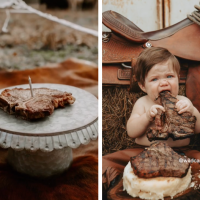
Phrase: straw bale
(117,105)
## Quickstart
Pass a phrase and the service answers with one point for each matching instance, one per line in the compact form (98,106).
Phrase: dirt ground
(33,41)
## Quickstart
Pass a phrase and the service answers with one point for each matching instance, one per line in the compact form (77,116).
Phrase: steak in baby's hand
(177,126)
(159,160)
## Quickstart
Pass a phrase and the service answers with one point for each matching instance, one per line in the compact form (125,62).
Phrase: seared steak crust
(159,160)
(170,123)
(18,101)
(35,108)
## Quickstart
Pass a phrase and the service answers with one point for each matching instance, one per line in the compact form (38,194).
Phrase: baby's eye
(155,79)
(170,76)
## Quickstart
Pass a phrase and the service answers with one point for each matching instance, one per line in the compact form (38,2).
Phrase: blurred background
(32,41)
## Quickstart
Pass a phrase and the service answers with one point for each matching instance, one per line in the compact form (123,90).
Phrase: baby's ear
(142,87)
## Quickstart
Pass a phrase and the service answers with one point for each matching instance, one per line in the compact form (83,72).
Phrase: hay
(117,105)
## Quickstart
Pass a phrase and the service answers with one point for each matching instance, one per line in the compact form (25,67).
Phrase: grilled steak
(35,108)
(159,160)
(19,101)
(170,123)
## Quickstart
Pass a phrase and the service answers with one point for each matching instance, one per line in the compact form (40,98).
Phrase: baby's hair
(150,57)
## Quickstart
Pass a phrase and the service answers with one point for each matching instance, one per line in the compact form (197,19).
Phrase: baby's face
(161,77)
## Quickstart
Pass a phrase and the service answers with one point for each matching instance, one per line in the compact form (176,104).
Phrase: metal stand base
(40,164)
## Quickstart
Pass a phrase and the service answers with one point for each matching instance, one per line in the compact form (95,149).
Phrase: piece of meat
(159,119)
(159,160)
(35,108)
(10,97)
(19,101)
(170,123)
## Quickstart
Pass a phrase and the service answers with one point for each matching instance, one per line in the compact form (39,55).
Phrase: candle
(29,79)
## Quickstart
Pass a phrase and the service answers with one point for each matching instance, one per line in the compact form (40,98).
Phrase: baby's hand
(151,113)
(184,106)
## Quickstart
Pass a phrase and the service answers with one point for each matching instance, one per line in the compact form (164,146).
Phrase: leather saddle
(181,39)
(122,46)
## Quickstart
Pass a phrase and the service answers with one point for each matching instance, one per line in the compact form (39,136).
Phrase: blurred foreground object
(83,175)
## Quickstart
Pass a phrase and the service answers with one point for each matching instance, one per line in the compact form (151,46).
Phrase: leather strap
(193,84)
(133,82)
(115,75)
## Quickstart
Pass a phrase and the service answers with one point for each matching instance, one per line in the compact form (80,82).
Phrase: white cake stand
(43,148)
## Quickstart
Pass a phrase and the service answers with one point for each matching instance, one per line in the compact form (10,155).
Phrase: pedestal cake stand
(43,148)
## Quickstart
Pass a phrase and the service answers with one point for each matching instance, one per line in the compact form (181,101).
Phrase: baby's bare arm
(138,121)
(141,117)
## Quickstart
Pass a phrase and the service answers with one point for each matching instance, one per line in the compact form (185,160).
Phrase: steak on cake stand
(43,148)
